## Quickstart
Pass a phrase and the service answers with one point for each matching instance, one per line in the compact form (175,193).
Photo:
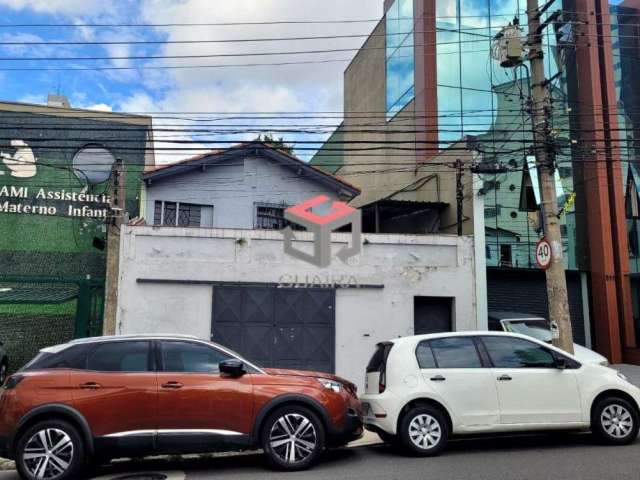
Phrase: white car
(538,327)
(424,388)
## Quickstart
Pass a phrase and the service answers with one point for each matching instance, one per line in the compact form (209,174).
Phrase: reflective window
(455,352)
(517,353)
(191,357)
(424,355)
(119,357)
(399,56)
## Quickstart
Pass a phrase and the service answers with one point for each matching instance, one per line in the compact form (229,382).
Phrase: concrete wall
(405,265)
(233,189)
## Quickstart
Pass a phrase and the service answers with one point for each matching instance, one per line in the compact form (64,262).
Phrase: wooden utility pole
(114,222)
(544,152)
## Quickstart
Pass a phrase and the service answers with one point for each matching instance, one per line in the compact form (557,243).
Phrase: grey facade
(234,188)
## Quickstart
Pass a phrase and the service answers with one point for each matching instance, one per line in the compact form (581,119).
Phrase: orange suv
(108,397)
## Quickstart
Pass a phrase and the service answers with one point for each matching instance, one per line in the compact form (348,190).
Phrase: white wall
(406,265)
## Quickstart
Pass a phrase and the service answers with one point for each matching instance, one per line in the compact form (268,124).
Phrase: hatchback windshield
(537,328)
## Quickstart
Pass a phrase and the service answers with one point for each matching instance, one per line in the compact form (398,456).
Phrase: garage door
(277,327)
(525,291)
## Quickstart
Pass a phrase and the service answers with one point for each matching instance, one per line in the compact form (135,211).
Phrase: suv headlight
(330,384)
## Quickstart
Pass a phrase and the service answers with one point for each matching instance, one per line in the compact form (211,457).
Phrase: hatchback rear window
(424,355)
(455,352)
(379,359)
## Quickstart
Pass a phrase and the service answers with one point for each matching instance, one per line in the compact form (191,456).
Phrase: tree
(275,142)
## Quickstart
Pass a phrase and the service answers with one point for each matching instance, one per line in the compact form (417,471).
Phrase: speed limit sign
(543,254)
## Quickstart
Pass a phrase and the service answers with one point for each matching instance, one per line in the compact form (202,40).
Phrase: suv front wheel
(50,450)
(424,431)
(292,438)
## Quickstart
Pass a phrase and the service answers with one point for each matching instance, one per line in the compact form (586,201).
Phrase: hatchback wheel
(615,421)
(292,438)
(424,431)
(50,450)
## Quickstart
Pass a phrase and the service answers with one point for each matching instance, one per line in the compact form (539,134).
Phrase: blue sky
(302,88)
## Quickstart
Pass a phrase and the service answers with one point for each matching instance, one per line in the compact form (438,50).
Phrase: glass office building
(478,97)
(435,72)
(400,61)
(625,31)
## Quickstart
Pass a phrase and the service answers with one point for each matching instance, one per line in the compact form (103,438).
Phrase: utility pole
(114,223)
(544,152)
(459,194)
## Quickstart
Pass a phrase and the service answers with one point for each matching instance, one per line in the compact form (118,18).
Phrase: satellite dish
(92,164)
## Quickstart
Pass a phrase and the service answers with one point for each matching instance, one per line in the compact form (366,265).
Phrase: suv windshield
(537,328)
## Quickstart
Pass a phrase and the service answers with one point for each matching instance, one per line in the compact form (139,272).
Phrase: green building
(56,178)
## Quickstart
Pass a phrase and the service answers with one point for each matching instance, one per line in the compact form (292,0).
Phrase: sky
(292,88)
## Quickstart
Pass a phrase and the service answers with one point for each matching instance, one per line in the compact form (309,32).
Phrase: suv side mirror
(232,367)
(561,363)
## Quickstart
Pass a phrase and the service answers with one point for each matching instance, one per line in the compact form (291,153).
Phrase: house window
(271,217)
(176,214)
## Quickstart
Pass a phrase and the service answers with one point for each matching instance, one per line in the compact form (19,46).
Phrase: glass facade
(625,29)
(400,63)
(478,97)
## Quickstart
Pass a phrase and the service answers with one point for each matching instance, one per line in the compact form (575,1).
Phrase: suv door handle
(174,385)
(90,386)
(504,378)
(437,378)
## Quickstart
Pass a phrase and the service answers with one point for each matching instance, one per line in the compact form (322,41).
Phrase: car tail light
(382,384)
(13,381)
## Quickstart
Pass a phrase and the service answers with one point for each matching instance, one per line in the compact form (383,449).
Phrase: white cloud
(303,88)
(100,107)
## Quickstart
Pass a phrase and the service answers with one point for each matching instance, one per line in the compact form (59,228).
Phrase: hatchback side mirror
(232,367)
(561,363)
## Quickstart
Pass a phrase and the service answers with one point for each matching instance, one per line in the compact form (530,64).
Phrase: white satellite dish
(92,164)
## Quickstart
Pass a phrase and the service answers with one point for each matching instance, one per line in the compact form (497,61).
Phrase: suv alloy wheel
(292,438)
(50,450)
(615,421)
(424,430)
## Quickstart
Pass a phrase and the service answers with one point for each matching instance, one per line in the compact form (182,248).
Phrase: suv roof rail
(131,336)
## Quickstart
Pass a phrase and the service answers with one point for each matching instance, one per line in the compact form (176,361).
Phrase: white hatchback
(424,388)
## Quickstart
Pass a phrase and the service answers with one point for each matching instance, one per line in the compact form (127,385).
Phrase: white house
(238,287)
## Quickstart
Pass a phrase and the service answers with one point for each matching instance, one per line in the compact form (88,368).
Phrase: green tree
(275,142)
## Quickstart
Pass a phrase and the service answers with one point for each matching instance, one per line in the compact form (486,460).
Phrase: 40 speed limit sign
(543,253)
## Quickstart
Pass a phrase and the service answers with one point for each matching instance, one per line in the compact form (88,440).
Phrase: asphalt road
(554,456)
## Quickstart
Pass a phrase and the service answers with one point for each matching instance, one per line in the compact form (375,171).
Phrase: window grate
(176,214)
(271,217)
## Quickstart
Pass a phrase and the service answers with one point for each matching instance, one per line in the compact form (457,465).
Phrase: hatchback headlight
(330,384)
(604,363)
